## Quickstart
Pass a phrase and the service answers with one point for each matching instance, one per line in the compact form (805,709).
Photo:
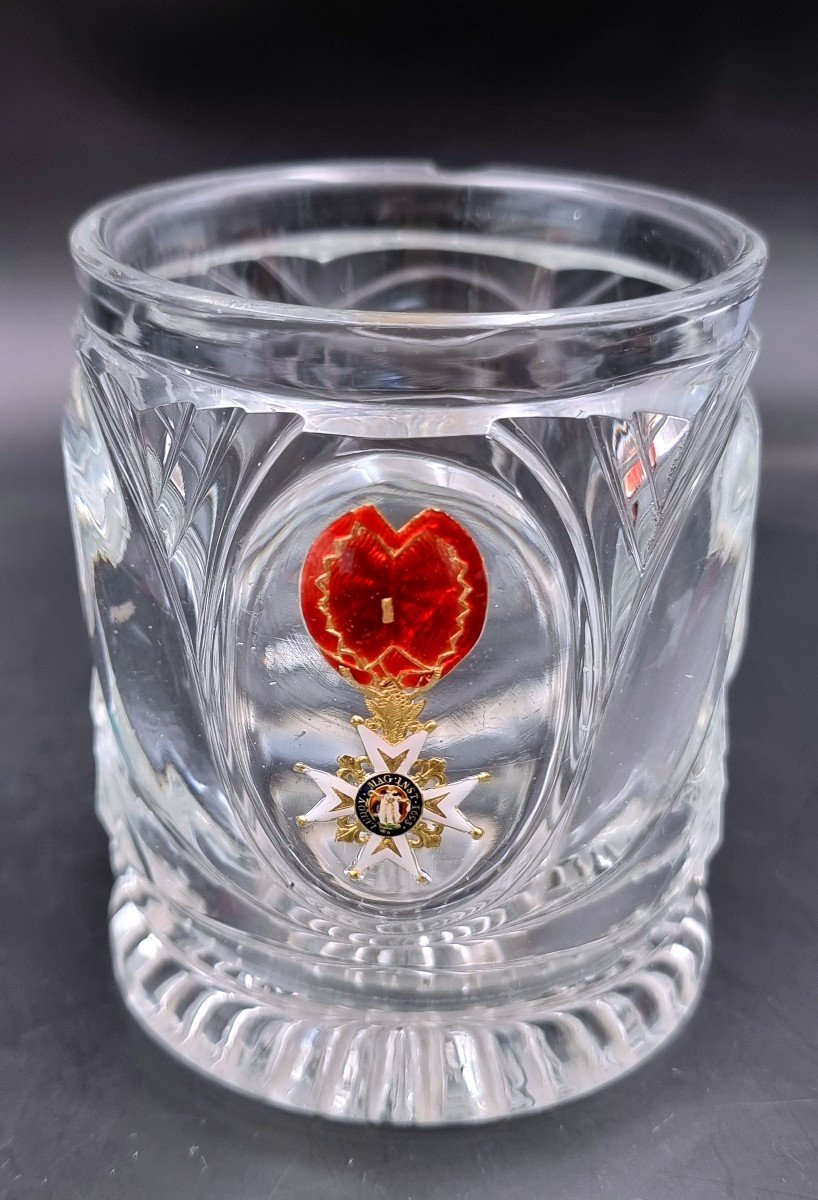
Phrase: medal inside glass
(413,514)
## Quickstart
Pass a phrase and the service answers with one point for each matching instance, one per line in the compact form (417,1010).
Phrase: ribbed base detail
(412,1068)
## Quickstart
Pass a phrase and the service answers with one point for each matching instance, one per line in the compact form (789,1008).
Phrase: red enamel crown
(391,605)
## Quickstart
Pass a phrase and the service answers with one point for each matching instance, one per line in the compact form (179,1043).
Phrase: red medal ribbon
(398,606)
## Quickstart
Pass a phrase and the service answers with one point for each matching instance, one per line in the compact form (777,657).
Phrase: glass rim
(93,255)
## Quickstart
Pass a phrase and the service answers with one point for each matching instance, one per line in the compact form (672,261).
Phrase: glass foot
(470,1065)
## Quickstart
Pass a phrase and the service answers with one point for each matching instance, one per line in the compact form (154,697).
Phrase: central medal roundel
(388,804)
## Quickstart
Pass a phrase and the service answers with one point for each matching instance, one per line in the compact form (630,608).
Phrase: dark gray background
(704,97)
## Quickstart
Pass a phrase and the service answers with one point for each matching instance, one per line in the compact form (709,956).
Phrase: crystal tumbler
(413,514)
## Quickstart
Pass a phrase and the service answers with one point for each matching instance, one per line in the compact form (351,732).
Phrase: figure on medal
(389,806)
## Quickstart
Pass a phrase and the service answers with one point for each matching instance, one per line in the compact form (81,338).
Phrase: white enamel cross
(440,804)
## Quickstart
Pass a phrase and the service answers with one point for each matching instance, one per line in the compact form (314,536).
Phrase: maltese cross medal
(392,611)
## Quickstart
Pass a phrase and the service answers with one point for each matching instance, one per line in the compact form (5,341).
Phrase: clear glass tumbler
(413,513)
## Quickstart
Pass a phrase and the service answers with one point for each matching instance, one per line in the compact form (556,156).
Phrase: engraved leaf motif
(185,450)
(638,459)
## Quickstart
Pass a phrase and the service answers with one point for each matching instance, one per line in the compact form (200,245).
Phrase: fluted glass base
(466,1065)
